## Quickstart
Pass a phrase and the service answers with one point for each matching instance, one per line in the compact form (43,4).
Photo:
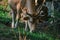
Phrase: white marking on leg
(30,26)
(13,22)
(16,21)
(26,24)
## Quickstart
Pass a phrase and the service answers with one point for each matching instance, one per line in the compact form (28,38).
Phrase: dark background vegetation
(51,33)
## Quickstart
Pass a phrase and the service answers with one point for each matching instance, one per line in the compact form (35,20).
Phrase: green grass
(8,32)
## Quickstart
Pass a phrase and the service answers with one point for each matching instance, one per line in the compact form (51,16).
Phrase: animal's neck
(28,5)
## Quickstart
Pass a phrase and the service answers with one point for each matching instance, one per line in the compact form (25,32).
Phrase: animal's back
(13,3)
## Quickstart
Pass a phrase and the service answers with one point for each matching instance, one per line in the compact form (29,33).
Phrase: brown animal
(25,7)
(32,19)
(17,7)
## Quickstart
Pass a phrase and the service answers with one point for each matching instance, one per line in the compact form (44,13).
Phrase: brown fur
(20,10)
(37,18)
(17,6)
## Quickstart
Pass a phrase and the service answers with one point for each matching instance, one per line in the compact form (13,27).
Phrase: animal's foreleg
(26,24)
(13,20)
(31,26)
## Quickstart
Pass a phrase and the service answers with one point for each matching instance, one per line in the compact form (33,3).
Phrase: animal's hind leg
(26,25)
(17,20)
(18,15)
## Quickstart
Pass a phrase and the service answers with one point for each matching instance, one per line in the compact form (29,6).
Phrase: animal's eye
(42,13)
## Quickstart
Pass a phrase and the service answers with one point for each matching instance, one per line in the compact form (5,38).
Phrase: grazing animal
(32,19)
(17,7)
(24,9)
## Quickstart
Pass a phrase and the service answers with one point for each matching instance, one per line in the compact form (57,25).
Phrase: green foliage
(8,32)
(57,14)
